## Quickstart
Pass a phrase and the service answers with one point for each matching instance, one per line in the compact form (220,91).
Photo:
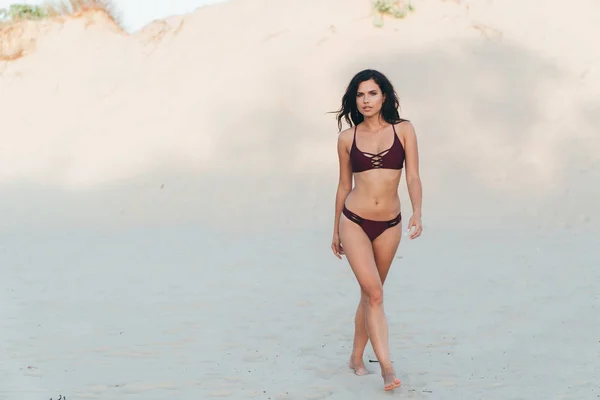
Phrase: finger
(418,232)
(336,251)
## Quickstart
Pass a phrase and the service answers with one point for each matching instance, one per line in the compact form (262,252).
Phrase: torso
(376,180)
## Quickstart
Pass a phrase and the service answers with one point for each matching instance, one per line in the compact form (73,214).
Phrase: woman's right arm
(345,179)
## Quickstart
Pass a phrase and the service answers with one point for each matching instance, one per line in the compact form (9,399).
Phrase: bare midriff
(375,194)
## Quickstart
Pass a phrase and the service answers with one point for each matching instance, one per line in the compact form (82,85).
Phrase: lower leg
(377,328)
(361,337)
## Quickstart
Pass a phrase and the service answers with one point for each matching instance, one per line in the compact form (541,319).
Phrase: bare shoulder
(345,138)
(346,134)
(405,129)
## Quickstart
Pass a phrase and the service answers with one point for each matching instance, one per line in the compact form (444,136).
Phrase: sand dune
(177,184)
(513,110)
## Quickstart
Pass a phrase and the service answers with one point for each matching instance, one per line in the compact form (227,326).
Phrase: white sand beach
(167,198)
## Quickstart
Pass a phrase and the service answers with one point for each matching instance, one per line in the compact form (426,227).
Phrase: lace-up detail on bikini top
(392,158)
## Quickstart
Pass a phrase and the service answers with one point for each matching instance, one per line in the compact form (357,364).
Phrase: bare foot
(358,366)
(389,379)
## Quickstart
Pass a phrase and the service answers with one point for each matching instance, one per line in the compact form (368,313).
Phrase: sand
(167,201)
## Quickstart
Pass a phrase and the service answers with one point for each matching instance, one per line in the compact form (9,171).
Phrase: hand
(336,246)
(415,221)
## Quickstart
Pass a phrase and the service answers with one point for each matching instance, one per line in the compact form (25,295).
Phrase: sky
(137,13)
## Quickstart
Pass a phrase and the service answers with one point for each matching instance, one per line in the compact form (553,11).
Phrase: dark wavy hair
(349,110)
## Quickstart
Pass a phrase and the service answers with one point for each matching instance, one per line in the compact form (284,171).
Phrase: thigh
(359,253)
(384,249)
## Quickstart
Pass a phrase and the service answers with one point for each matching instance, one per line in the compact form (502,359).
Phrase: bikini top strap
(401,120)
(395,134)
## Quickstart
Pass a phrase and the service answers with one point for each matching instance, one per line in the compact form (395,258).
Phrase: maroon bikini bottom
(372,228)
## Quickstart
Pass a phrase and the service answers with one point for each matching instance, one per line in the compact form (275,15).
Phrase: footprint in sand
(257,357)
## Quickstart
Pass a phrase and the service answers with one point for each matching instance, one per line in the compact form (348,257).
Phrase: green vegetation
(14,44)
(23,11)
(395,8)
(56,8)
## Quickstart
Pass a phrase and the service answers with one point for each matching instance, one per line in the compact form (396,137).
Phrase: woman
(367,226)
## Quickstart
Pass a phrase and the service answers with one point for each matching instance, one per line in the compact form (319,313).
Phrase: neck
(374,123)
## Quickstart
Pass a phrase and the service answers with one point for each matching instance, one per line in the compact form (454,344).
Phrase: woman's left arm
(413,179)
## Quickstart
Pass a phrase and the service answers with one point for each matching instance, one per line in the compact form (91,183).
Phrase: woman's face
(369,98)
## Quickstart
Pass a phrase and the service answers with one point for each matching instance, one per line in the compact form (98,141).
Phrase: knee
(373,296)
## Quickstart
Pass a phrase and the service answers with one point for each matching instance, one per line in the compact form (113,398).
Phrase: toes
(394,385)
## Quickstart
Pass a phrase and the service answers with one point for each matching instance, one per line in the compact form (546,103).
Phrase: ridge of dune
(232,88)
(19,37)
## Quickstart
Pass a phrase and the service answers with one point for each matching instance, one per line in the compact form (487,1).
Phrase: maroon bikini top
(392,158)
